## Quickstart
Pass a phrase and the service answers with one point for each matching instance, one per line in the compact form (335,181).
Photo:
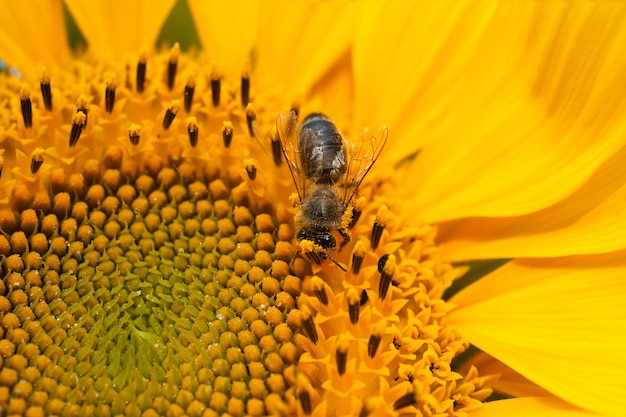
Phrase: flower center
(150,264)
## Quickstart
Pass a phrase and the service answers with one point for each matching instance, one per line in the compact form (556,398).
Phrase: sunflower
(147,249)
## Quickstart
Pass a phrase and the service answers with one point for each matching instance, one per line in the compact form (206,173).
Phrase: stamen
(245,87)
(405,401)
(277,152)
(227,133)
(318,288)
(379,225)
(357,210)
(295,108)
(81,106)
(170,113)
(216,86)
(189,90)
(192,129)
(134,133)
(27,107)
(141,72)
(358,255)
(341,355)
(304,397)
(374,341)
(386,267)
(36,160)
(78,124)
(354,304)
(109,93)
(364,298)
(46,91)
(250,166)
(251,119)
(172,65)
(308,324)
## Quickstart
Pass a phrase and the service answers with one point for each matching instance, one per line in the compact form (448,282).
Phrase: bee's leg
(346,237)
(336,263)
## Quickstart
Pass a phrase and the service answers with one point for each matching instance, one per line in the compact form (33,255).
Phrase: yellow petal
(559,322)
(227,30)
(533,109)
(32,35)
(531,406)
(295,57)
(591,220)
(116,27)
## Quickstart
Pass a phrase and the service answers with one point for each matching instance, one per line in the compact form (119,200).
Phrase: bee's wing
(360,159)
(287,128)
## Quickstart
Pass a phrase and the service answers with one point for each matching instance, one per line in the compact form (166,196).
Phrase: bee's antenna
(336,263)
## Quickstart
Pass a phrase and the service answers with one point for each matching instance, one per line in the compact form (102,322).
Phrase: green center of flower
(150,265)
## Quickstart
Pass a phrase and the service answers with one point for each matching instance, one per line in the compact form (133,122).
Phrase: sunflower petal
(534,108)
(228,30)
(116,27)
(531,406)
(29,40)
(409,58)
(559,322)
(298,58)
(592,220)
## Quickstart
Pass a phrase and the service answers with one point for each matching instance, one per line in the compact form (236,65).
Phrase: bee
(327,171)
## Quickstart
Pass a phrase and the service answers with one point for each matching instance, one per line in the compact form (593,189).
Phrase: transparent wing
(360,159)
(287,128)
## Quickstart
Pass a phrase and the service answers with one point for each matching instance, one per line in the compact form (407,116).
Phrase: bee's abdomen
(322,153)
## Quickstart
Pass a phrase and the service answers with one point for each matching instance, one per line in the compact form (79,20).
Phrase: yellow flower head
(167,248)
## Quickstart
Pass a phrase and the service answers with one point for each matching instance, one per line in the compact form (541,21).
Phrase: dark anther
(216,86)
(321,295)
(356,215)
(27,108)
(364,298)
(354,310)
(192,129)
(305,401)
(78,123)
(357,262)
(141,74)
(1,168)
(46,91)
(295,109)
(172,65)
(245,89)
(134,136)
(170,115)
(251,171)
(396,344)
(381,262)
(385,283)
(251,120)
(277,153)
(36,162)
(372,345)
(189,90)
(342,360)
(309,328)
(81,106)
(109,96)
(405,401)
(227,133)
(171,74)
(377,233)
